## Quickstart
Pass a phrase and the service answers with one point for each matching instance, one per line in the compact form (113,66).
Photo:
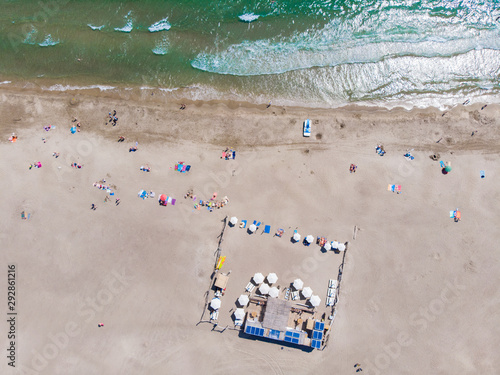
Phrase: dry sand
(419,293)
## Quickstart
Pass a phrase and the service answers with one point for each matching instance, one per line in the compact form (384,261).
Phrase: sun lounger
(267,229)
(238,323)
(254,222)
(295,296)
(214,315)
(258,224)
(332,283)
(287,294)
(330,301)
(250,287)
(331,292)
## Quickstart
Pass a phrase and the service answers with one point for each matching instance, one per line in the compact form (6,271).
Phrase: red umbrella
(163,197)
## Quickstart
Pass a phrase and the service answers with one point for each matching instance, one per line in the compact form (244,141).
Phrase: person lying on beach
(183,106)
(56,154)
(132,149)
(121,139)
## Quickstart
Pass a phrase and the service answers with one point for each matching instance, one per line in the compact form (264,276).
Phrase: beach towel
(183,170)
(73,130)
(258,224)
(267,229)
(243,224)
(255,222)
(188,168)
(391,187)
(441,163)
(173,201)
(452,214)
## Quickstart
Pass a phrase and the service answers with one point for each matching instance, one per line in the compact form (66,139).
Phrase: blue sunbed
(267,229)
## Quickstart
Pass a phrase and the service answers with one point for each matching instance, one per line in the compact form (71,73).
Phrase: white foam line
(5,82)
(59,87)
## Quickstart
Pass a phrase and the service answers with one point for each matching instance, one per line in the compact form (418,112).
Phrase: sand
(419,291)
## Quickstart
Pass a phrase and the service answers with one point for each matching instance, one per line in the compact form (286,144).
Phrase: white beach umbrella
(239,314)
(296,237)
(327,246)
(315,300)
(341,247)
(264,289)
(252,228)
(335,245)
(298,284)
(234,220)
(272,278)
(274,292)
(258,278)
(307,292)
(215,303)
(243,300)
(309,239)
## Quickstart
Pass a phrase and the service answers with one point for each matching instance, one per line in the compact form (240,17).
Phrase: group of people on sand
(36,164)
(212,203)
(113,118)
(76,165)
(353,168)
(228,153)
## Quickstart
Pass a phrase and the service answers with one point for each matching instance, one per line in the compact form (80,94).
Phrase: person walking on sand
(93,207)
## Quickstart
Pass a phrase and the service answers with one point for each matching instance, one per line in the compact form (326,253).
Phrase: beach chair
(238,323)
(267,229)
(295,296)
(332,284)
(258,224)
(243,224)
(287,294)
(331,292)
(250,287)
(330,301)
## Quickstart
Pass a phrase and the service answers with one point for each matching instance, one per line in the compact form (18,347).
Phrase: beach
(418,291)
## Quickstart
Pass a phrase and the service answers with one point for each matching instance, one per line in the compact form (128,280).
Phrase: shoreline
(191,94)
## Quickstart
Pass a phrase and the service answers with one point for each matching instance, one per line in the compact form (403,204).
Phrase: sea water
(324,53)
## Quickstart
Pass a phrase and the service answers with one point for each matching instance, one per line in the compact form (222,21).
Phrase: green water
(324,53)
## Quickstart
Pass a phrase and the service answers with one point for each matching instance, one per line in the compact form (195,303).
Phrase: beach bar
(279,320)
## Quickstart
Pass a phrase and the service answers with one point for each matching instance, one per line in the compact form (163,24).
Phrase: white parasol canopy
(309,239)
(264,289)
(315,300)
(272,278)
(234,220)
(252,228)
(335,245)
(239,314)
(258,278)
(327,246)
(215,303)
(307,292)
(341,247)
(298,284)
(296,237)
(274,292)
(243,300)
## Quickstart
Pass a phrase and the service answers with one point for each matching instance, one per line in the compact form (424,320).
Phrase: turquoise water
(313,53)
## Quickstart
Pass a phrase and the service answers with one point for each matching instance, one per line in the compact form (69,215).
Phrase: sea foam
(48,41)
(127,28)
(96,27)
(59,87)
(248,17)
(160,26)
